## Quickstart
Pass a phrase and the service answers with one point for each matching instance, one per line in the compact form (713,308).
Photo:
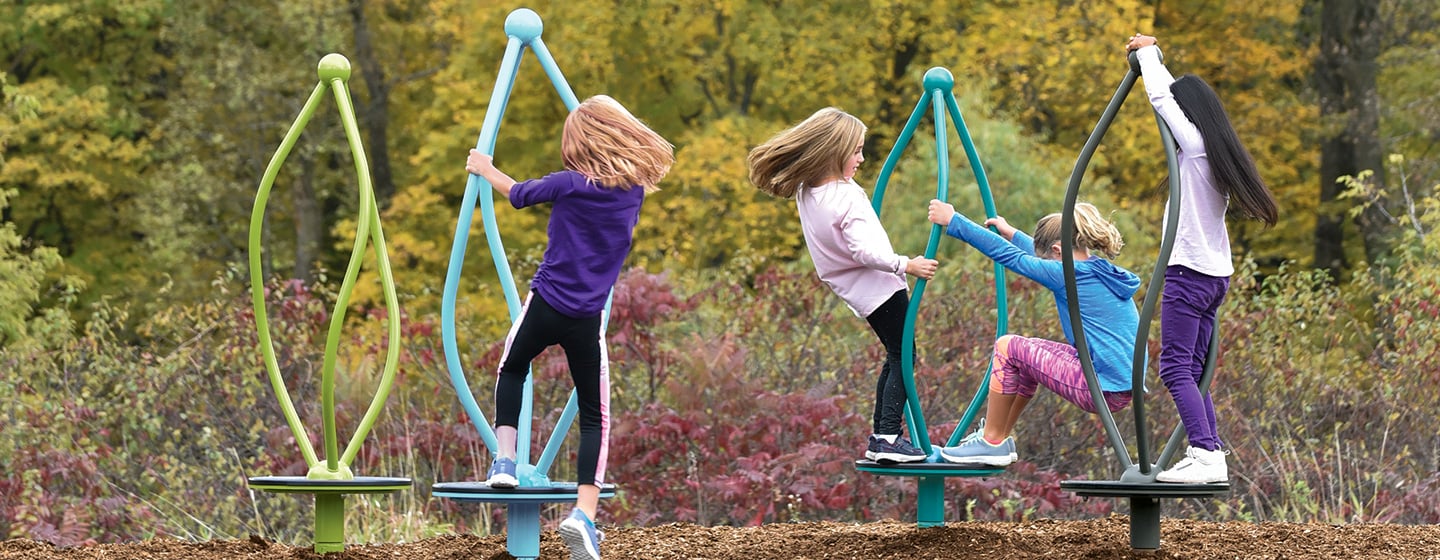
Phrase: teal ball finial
(938,78)
(334,65)
(524,24)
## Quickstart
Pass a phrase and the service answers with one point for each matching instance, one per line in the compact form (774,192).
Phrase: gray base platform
(1144,502)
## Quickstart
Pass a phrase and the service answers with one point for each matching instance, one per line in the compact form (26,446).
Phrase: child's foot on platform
(1200,466)
(898,451)
(580,536)
(502,474)
(975,450)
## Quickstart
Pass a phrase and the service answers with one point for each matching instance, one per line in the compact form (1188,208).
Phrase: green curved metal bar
(334,70)
(938,85)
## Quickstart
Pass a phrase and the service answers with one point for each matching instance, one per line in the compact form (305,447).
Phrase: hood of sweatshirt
(1119,281)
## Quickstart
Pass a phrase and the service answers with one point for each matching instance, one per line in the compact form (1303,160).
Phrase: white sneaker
(1200,466)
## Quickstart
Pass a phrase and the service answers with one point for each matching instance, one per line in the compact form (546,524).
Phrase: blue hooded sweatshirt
(1106,291)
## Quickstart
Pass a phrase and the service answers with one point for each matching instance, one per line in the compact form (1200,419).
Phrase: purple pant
(1187,320)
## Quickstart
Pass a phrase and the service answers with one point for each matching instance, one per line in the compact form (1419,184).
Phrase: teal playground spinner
(938,85)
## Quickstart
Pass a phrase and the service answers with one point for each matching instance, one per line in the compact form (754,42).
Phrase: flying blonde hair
(612,148)
(806,154)
(1093,232)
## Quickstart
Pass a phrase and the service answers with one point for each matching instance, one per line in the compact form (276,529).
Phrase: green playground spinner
(330,478)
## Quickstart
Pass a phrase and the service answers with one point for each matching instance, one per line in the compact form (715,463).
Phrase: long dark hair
(1230,163)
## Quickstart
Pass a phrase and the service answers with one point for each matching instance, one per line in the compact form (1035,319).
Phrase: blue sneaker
(975,450)
(580,536)
(901,451)
(502,474)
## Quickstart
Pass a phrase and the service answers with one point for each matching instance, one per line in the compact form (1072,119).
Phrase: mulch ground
(1107,538)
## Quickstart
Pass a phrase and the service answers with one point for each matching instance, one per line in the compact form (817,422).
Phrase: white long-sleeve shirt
(1201,240)
(851,250)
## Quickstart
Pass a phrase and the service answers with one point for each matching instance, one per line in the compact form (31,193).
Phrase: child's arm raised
(484,165)
(1047,273)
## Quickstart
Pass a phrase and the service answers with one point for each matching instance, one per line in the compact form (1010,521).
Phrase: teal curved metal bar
(331,478)
(523,28)
(1137,479)
(938,93)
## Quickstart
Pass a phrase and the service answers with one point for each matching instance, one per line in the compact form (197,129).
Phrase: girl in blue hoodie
(1021,364)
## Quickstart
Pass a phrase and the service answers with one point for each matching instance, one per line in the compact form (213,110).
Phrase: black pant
(541,327)
(888,322)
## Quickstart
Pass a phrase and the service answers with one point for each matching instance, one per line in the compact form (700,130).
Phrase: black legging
(541,327)
(888,322)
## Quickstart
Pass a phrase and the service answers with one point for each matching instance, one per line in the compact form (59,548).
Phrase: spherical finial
(334,65)
(524,24)
(938,78)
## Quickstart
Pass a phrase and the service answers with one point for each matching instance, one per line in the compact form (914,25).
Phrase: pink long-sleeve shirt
(851,250)
(1202,243)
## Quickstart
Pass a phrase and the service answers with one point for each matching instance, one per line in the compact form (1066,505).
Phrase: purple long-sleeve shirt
(591,230)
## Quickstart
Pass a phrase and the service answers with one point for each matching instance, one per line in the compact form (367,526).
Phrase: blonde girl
(612,160)
(1020,364)
(815,162)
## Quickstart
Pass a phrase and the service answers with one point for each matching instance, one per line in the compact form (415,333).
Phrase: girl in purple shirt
(1216,175)
(612,160)
(815,162)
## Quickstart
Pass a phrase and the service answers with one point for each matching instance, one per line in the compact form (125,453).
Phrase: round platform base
(1116,489)
(303,485)
(926,469)
(480,492)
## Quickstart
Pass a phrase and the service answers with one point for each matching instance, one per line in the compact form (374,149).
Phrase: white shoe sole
(989,461)
(897,458)
(502,481)
(575,539)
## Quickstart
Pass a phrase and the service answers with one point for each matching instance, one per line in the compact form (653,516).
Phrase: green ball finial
(334,65)
(938,78)
(524,24)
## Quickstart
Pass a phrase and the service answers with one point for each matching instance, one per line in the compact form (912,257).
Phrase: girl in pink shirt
(814,162)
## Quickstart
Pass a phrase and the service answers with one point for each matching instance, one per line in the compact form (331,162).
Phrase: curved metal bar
(504,80)
(382,260)
(257,275)
(901,142)
(918,431)
(1002,322)
(938,84)
(1067,258)
(1152,295)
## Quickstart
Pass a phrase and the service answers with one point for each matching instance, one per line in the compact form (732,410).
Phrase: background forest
(133,134)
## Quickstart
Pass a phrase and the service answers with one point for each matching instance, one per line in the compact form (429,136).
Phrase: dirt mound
(1095,539)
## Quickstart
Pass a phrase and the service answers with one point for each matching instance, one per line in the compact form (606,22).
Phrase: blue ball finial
(524,24)
(334,65)
(938,78)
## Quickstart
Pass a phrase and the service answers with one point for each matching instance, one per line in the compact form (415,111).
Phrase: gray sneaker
(1008,444)
(975,450)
